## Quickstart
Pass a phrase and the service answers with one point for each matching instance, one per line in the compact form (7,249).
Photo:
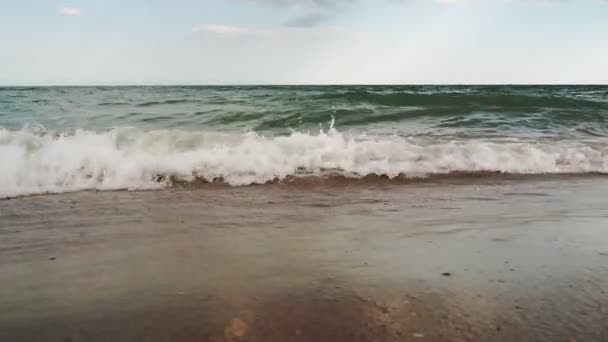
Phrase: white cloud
(220,29)
(275,32)
(70,11)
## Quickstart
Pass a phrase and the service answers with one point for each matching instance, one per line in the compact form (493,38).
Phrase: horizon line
(292,85)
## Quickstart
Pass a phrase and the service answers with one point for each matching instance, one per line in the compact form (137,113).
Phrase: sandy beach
(488,259)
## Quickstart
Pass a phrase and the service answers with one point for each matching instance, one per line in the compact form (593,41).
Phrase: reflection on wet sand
(339,264)
(328,313)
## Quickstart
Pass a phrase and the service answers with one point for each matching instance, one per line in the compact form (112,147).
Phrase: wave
(496,101)
(113,104)
(166,102)
(126,158)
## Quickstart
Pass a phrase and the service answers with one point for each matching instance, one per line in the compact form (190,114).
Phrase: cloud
(302,3)
(315,13)
(450,2)
(318,12)
(335,4)
(220,29)
(309,20)
(70,11)
(440,2)
(527,2)
(271,33)
(310,13)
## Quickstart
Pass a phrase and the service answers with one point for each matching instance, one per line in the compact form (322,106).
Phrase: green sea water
(463,110)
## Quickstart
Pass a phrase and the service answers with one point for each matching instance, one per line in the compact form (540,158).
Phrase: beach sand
(488,259)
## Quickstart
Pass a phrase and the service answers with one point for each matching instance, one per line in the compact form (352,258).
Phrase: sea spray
(128,158)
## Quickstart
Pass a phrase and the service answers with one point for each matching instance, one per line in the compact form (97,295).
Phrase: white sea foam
(34,163)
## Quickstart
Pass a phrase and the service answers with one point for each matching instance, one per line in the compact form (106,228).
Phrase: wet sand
(474,260)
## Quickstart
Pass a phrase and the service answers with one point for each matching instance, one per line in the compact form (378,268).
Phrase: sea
(65,139)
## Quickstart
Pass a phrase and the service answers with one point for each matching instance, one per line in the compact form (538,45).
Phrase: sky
(132,42)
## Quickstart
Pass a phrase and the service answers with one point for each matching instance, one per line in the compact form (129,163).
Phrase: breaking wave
(36,162)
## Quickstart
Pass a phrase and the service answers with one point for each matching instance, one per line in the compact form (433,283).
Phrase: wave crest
(131,159)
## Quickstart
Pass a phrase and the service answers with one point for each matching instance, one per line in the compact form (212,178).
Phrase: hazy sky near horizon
(92,42)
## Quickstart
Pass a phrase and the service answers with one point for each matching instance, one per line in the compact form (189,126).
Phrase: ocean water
(63,139)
